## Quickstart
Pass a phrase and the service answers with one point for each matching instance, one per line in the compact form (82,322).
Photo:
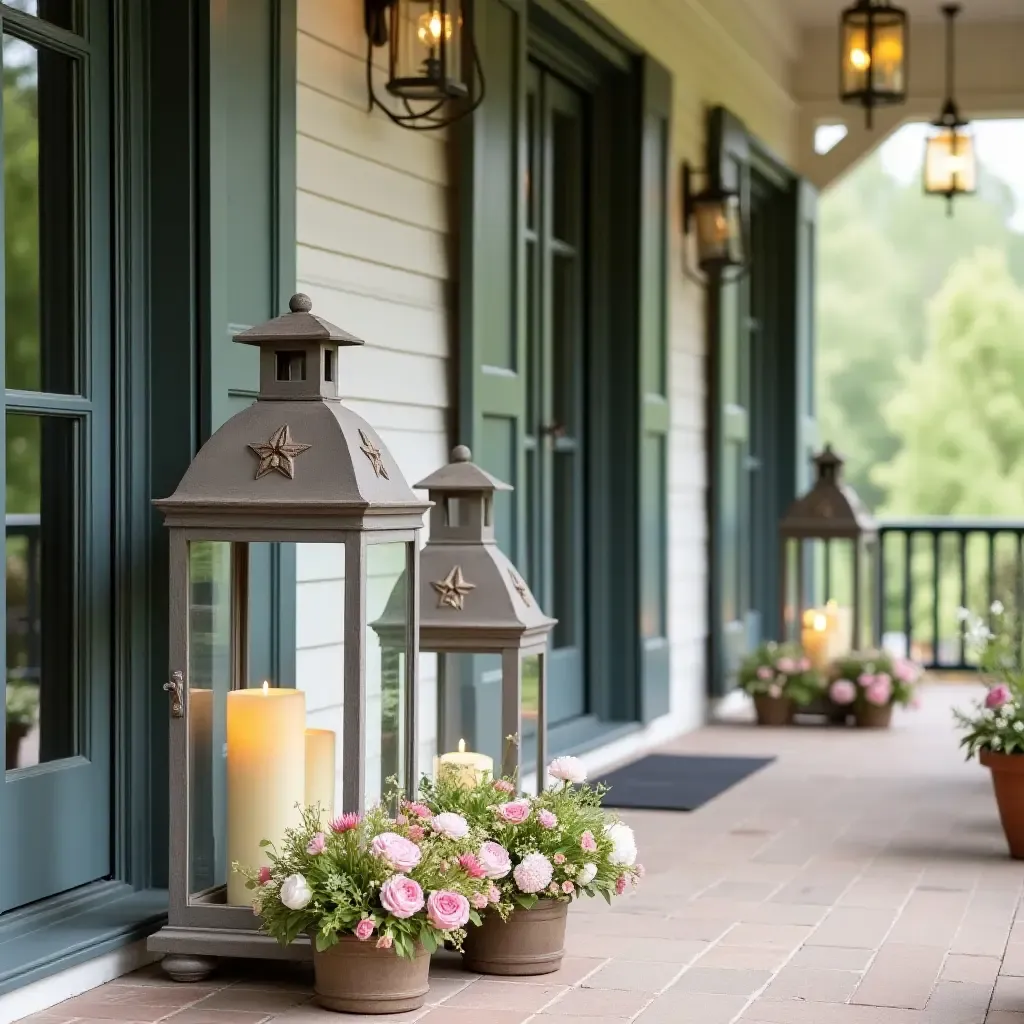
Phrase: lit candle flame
(820,623)
(462,746)
(266,687)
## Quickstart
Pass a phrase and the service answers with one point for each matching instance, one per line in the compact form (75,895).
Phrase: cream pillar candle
(814,639)
(840,629)
(467,766)
(320,772)
(266,775)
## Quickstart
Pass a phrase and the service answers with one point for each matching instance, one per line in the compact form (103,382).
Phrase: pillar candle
(266,773)
(320,772)
(467,766)
(840,628)
(814,639)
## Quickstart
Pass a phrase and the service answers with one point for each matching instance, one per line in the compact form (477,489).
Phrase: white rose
(624,842)
(587,874)
(295,892)
(450,824)
(568,769)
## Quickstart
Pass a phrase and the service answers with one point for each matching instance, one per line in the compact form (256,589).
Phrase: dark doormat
(676,782)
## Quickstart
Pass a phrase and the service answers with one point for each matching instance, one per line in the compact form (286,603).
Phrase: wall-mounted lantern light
(716,217)
(873,55)
(432,60)
(950,164)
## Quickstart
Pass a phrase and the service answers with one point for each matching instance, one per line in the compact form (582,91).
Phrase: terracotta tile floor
(860,879)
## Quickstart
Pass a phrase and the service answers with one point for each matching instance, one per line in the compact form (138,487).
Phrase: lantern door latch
(175,686)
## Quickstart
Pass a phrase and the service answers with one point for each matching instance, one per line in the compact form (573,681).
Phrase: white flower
(568,769)
(1018,726)
(533,873)
(450,824)
(624,843)
(962,614)
(587,874)
(997,608)
(295,892)
(996,742)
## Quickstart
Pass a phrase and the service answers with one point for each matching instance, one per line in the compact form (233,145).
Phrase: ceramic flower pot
(14,733)
(529,942)
(870,716)
(356,977)
(773,710)
(1008,783)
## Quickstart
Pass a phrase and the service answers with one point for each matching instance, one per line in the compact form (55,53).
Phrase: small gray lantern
(474,601)
(294,467)
(829,516)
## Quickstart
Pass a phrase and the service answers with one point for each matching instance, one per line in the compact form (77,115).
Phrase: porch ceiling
(826,12)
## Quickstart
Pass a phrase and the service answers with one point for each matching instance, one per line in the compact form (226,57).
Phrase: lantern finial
(461,453)
(300,303)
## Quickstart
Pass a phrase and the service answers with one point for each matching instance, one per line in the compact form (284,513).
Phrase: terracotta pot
(529,942)
(773,710)
(871,717)
(14,733)
(356,977)
(1008,783)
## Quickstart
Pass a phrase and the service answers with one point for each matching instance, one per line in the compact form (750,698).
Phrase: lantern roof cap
(461,474)
(831,508)
(298,324)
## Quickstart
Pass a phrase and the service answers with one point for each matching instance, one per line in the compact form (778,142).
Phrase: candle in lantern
(840,629)
(320,771)
(266,775)
(467,767)
(815,638)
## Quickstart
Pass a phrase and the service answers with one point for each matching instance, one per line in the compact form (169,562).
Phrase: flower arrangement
(22,704)
(872,678)
(399,881)
(780,670)
(997,724)
(559,845)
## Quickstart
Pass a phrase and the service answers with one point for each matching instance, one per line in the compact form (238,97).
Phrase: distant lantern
(473,600)
(296,466)
(873,55)
(829,519)
(716,216)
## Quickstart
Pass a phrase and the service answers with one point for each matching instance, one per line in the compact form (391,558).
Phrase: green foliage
(22,703)
(781,670)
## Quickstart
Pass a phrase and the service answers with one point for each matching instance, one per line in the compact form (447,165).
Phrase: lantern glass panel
(387,722)
(949,162)
(427,49)
(719,230)
(874,57)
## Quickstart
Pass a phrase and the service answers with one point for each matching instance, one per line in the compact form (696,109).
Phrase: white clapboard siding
(373,253)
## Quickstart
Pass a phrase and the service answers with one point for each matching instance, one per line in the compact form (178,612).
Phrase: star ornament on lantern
(452,590)
(373,453)
(520,588)
(278,454)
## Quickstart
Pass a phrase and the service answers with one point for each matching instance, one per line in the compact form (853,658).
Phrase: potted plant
(994,732)
(540,854)
(870,683)
(22,705)
(377,895)
(780,678)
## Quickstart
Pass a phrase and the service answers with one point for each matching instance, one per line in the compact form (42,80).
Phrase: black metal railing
(24,627)
(928,568)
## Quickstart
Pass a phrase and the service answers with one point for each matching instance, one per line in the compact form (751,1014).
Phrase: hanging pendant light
(950,164)
(873,55)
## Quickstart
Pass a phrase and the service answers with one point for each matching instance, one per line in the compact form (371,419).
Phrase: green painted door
(55,804)
(556,421)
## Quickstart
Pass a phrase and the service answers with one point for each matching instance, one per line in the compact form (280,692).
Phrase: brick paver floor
(862,878)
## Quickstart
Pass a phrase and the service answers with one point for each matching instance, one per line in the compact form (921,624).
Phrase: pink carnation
(494,894)
(764,673)
(547,819)
(472,866)
(316,845)
(588,842)
(264,875)
(515,812)
(567,887)
(416,833)
(842,691)
(504,786)
(879,692)
(533,873)
(865,679)
(364,929)
(786,665)
(479,900)
(401,896)
(447,910)
(401,819)
(997,696)
(559,858)
(553,889)
(420,810)
(620,885)
(345,822)
(398,852)
(384,942)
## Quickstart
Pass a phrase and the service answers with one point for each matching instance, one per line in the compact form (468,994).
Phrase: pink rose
(420,810)
(547,819)
(879,692)
(764,673)
(384,942)
(905,670)
(865,679)
(553,889)
(447,910)
(503,786)
(567,887)
(494,894)
(588,842)
(786,665)
(345,822)
(804,664)
(515,812)
(398,852)
(472,866)
(997,696)
(401,896)
(620,885)
(775,690)
(559,858)
(479,900)
(495,860)
(316,845)
(264,875)
(884,677)
(364,929)
(842,691)
(416,833)
(450,825)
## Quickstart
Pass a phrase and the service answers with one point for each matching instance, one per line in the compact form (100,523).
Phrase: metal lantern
(828,518)
(296,466)
(474,601)
(717,216)
(873,55)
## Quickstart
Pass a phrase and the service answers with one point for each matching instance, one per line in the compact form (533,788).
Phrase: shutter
(652,333)
(806,270)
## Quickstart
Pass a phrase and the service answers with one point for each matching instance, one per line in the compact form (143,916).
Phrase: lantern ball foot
(186,967)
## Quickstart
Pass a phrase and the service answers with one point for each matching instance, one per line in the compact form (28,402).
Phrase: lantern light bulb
(462,746)
(820,623)
(860,59)
(429,28)
(266,688)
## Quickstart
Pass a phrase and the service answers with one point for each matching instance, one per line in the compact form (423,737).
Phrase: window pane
(59,12)
(39,158)
(41,635)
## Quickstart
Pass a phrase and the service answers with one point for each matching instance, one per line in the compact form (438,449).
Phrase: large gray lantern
(296,466)
(474,601)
